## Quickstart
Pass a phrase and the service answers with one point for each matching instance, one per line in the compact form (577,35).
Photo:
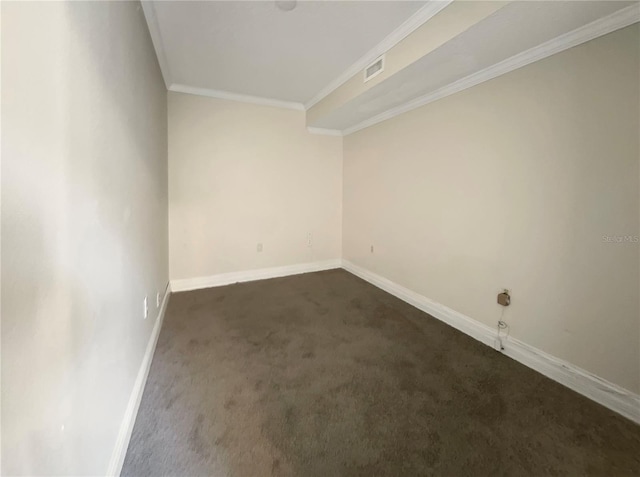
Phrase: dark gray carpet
(325,375)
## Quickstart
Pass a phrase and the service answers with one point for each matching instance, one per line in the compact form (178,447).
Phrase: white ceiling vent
(374,69)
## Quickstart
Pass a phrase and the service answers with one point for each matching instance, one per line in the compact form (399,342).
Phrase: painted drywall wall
(528,182)
(242,175)
(84,227)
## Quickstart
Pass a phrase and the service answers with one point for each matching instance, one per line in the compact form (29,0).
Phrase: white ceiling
(517,28)
(253,48)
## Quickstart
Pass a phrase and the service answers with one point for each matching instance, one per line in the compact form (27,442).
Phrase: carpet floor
(323,374)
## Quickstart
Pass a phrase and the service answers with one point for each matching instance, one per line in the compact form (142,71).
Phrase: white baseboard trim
(129,419)
(608,394)
(604,392)
(222,279)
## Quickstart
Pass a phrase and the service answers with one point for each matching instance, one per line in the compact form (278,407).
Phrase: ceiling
(312,57)
(254,48)
(507,34)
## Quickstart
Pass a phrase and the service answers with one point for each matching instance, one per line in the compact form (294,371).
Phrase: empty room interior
(320,238)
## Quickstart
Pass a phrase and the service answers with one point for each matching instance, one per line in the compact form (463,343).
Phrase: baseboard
(608,394)
(251,275)
(129,419)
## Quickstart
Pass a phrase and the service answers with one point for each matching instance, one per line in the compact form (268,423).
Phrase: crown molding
(156,39)
(324,132)
(617,20)
(243,98)
(158,44)
(409,26)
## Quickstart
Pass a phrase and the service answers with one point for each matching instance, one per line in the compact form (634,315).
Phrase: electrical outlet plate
(504,299)
(146,308)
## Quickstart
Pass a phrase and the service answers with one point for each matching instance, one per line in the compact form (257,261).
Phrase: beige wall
(84,227)
(242,174)
(514,183)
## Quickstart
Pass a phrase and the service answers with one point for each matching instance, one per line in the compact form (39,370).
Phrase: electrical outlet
(146,308)
(158,300)
(309,239)
(259,247)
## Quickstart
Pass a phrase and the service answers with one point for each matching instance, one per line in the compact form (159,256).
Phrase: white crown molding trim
(325,132)
(222,279)
(415,21)
(126,427)
(156,39)
(608,394)
(617,20)
(243,98)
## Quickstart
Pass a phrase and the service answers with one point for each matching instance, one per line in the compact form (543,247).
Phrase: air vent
(374,69)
